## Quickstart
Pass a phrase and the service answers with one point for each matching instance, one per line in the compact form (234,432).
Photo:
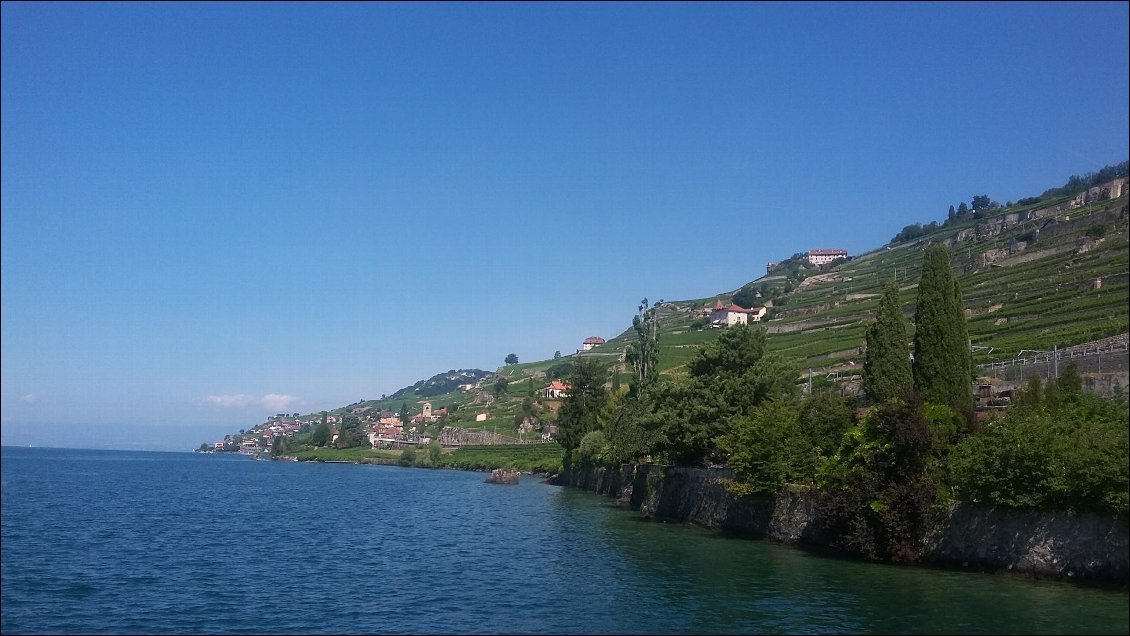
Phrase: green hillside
(1045,273)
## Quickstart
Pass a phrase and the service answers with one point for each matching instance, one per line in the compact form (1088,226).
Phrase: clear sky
(216,212)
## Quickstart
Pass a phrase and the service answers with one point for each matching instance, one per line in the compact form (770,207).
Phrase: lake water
(155,543)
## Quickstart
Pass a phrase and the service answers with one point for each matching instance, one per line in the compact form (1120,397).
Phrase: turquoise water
(138,542)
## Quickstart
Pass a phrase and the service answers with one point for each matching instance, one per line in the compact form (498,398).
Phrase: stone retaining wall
(1089,548)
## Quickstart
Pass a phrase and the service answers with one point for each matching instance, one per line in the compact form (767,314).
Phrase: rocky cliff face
(1087,548)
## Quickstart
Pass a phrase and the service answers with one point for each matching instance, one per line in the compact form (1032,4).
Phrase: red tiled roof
(718,304)
(835,252)
(558,385)
(733,309)
(594,340)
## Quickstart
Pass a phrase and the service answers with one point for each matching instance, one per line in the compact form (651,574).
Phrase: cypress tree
(943,364)
(886,363)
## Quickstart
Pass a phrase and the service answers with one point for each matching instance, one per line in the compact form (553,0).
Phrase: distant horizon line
(81,448)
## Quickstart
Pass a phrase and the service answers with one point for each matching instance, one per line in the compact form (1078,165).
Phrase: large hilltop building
(592,341)
(822,257)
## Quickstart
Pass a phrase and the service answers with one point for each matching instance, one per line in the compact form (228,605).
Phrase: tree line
(981,205)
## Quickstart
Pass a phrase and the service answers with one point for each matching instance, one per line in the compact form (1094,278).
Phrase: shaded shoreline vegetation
(885,468)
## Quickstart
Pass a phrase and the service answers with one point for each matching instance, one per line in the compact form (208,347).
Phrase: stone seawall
(1089,548)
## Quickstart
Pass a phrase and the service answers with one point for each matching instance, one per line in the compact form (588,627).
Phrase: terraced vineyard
(1054,277)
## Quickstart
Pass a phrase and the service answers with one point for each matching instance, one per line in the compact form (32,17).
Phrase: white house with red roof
(556,390)
(724,316)
(592,341)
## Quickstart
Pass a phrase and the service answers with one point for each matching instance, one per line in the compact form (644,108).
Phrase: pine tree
(943,364)
(886,363)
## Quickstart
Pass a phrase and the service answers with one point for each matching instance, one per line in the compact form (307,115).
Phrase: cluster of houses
(275,426)
(385,428)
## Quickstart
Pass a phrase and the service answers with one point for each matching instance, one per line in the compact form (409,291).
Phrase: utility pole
(1055,360)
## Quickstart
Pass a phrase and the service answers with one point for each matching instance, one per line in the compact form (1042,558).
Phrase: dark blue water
(137,542)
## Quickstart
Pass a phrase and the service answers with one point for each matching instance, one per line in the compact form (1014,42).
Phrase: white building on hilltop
(822,257)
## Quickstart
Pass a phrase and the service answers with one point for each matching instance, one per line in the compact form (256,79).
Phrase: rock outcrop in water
(503,476)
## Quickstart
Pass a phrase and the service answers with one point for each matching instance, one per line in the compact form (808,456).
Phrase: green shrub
(1059,448)
(1096,232)
(407,456)
(767,448)
(593,448)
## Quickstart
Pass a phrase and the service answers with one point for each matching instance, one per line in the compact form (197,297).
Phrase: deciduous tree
(321,435)
(643,352)
(580,410)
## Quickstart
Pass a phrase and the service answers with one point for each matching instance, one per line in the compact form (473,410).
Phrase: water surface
(141,542)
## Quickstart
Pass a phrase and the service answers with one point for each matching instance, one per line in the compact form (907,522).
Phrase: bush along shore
(532,459)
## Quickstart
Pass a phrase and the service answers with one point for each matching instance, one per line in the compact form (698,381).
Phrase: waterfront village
(385,428)
(390,429)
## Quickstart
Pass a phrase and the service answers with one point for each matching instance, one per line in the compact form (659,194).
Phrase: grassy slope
(1012,304)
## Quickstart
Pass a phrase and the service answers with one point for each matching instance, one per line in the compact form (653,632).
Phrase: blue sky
(215,212)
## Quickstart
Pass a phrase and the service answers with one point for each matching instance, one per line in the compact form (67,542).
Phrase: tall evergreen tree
(943,364)
(886,364)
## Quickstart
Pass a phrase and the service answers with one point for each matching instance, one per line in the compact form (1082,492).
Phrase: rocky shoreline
(1087,548)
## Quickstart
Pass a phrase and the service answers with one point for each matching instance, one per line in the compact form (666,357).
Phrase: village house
(383,435)
(725,316)
(556,390)
(592,341)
